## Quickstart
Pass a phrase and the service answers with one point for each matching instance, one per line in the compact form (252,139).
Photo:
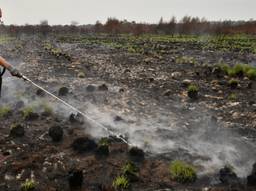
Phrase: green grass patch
(27,111)
(238,70)
(131,50)
(231,72)
(130,168)
(192,91)
(223,67)
(121,182)
(29,185)
(233,83)
(232,97)
(5,39)
(193,88)
(104,141)
(185,60)
(251,73)
(46,108)
(5,111)
(153,43)
(182,172)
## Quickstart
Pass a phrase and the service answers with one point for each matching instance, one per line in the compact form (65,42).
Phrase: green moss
(182,172)
(4,111)
(29,185)
(120,182)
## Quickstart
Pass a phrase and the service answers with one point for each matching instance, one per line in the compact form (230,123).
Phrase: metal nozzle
(24,77)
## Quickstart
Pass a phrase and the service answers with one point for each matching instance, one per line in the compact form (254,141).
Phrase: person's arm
(9,67)
(4,63)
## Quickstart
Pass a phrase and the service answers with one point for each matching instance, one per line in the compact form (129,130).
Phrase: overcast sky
(89,11)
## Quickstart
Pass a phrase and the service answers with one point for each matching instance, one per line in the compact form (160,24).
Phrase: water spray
(110,132)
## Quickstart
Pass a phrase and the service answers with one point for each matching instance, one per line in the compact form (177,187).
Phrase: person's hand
(14,72)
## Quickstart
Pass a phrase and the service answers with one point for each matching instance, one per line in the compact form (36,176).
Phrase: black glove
(15,72)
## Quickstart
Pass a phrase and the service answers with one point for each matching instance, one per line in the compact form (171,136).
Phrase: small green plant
(103,147)
(131,50)
(104,141)
(182,172)
(231,72)
(246,68)
(232,97)
(223,67)
(192,91)
(17,130)
(230,167)
(4,111)
(239,69)
(81,75)
(129,168)
(47,46)
(121,182)
(46,108)
(193,88)
(233,83)
(29,185)
(251,73)
(185,60)
(27,111)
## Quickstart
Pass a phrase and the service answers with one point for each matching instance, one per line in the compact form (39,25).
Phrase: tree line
(187,25)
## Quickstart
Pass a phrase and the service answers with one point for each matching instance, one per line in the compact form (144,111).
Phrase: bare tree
(98,27)
(172,26)
(112,26)
(44,27)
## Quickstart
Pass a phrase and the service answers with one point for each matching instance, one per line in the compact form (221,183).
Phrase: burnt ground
(144,98)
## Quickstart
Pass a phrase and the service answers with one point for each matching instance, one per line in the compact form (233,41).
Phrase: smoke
(188,134)
(206,144)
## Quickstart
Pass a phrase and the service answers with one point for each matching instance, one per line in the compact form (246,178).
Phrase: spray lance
(110,132)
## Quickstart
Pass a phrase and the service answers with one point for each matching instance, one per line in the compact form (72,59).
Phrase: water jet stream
(110,132)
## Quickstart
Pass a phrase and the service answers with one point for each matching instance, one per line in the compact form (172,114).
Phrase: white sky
(89,11)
